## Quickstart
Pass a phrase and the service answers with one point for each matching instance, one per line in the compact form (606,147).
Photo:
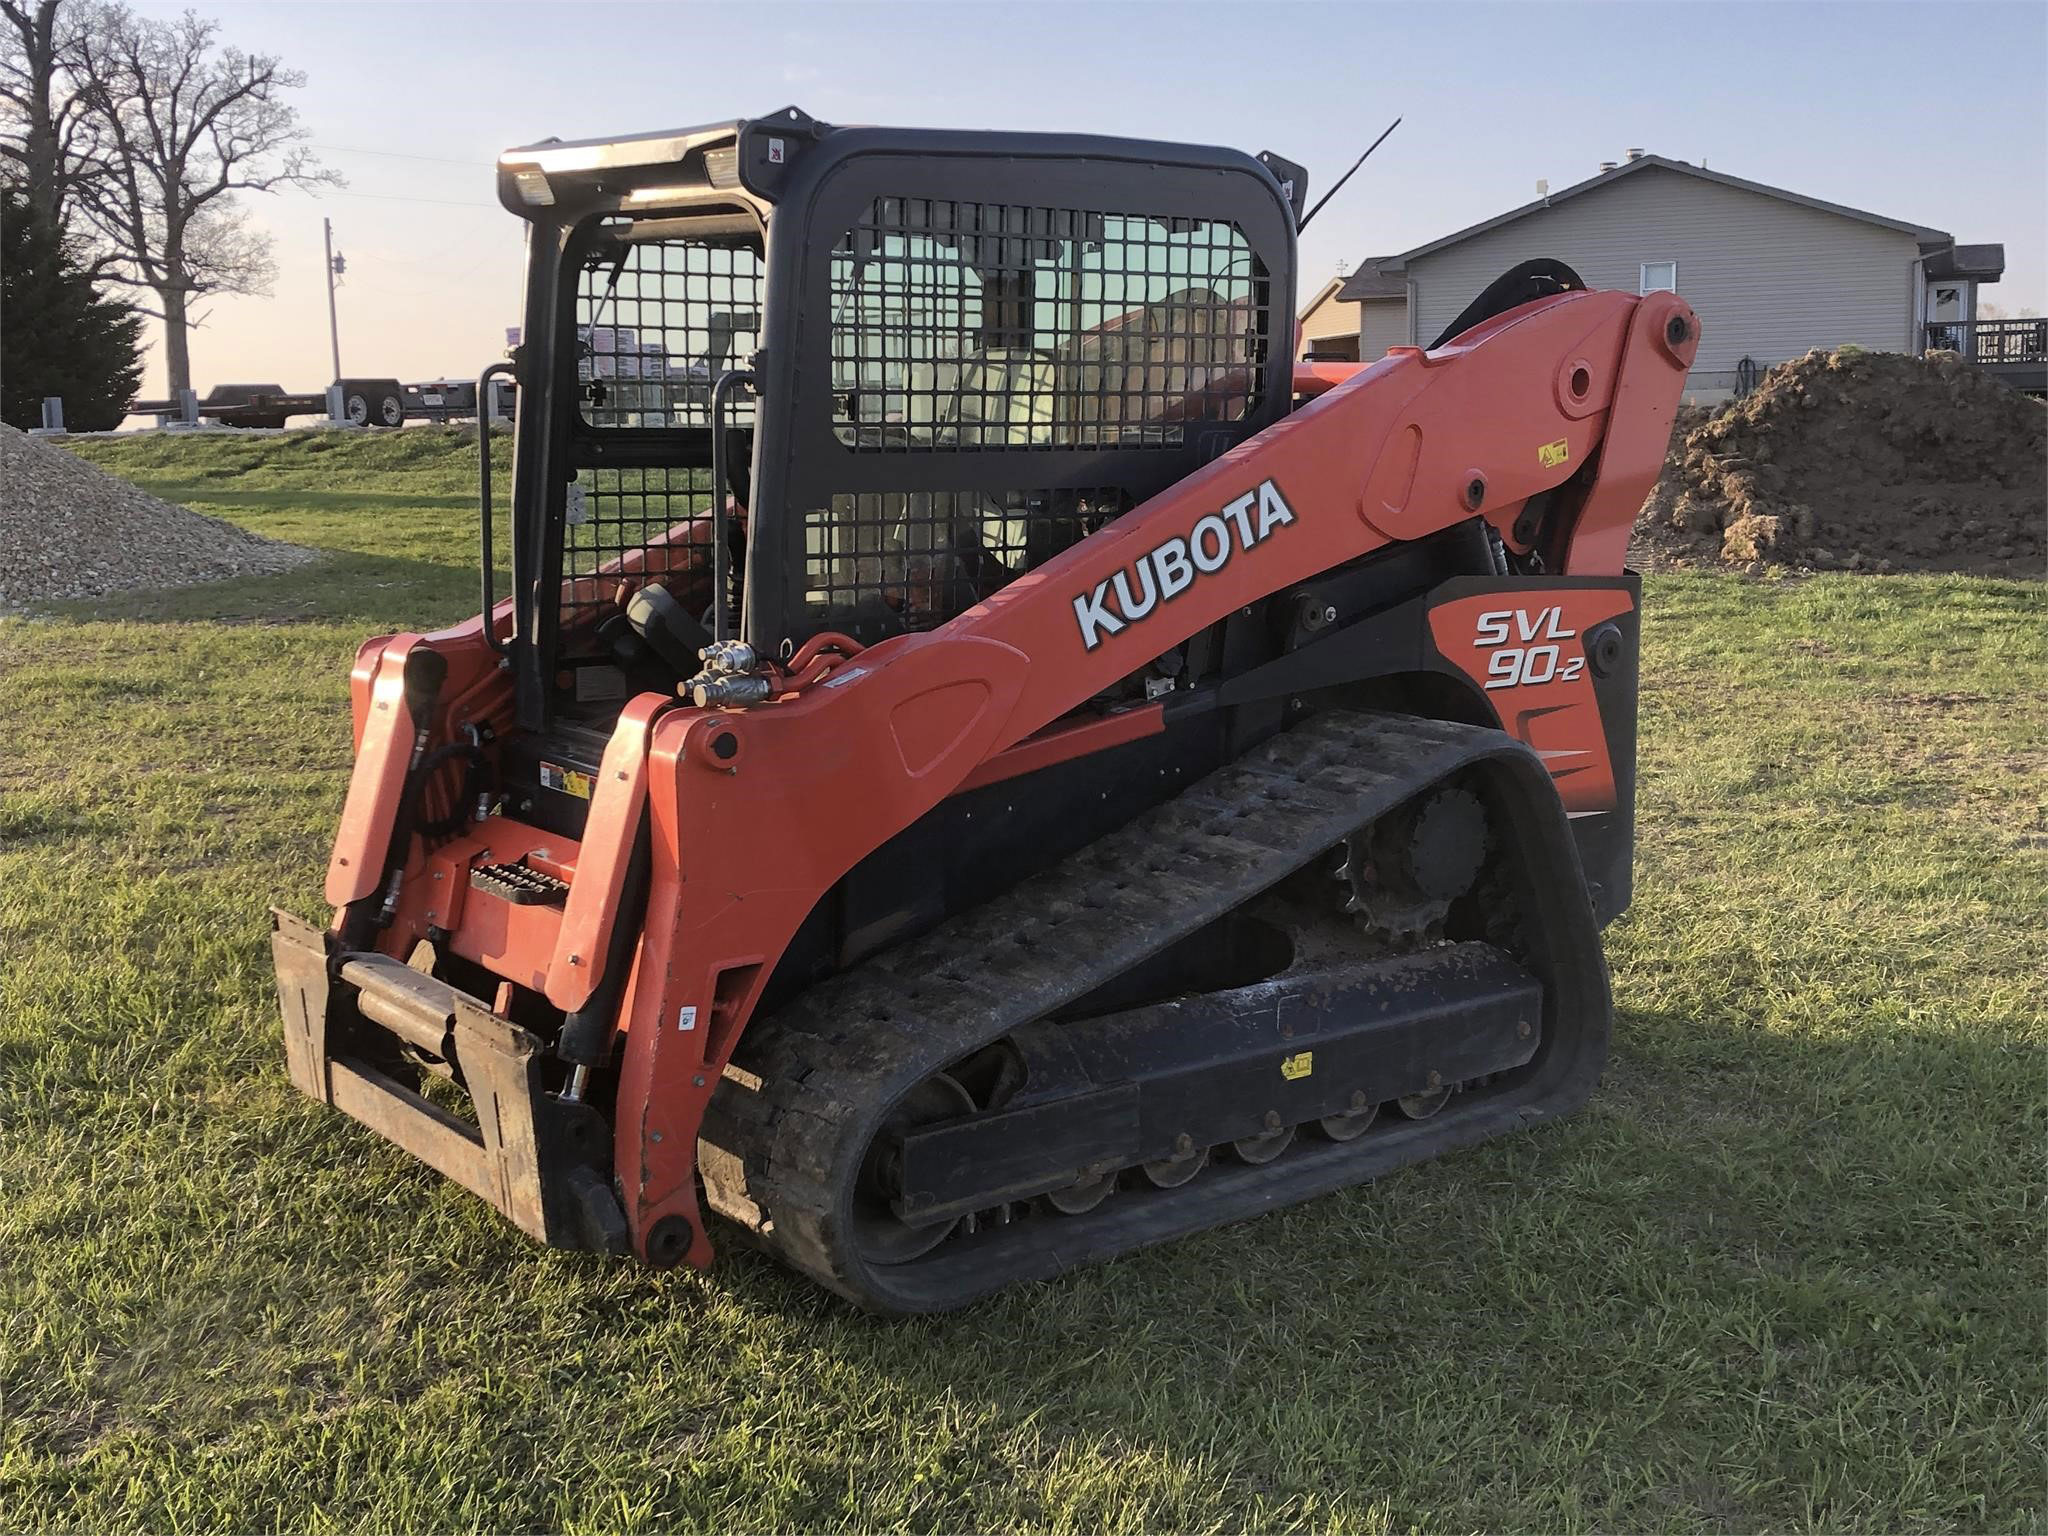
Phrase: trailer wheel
(373,402)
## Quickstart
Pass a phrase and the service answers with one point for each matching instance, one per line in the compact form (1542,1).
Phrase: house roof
(1368,282)
(1986,263)
(1322,295)
(1930,239)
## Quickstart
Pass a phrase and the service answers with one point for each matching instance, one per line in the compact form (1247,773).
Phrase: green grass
(1784,1273)
(396,514)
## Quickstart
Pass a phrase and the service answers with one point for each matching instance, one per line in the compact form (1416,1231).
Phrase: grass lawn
(1784,1273)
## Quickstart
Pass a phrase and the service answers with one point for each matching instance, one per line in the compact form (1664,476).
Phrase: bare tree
(187,124)
(49,141)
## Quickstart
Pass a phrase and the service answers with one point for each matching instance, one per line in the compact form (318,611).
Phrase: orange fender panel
(804,789)
(616,808)
(382,751)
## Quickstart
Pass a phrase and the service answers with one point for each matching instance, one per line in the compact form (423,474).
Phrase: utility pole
(336,265)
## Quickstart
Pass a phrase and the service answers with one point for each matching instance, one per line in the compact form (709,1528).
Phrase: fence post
(53,413)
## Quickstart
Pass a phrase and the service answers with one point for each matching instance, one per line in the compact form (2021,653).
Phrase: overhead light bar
(533,186)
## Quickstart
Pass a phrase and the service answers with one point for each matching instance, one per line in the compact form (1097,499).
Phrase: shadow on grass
(1834,1228)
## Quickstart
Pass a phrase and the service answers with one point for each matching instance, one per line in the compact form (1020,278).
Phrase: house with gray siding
(1772,274)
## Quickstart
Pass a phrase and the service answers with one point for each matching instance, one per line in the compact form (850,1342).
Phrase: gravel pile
(68,529)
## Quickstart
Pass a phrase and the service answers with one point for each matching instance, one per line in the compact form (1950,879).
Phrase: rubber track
(785,1135)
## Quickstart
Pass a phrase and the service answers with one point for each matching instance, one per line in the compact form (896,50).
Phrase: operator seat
(667,628)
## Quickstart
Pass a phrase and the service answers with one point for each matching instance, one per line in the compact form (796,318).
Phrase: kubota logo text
(1163,574)
(1527,648)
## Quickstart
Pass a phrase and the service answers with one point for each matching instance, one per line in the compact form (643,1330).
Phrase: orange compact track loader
(985,762)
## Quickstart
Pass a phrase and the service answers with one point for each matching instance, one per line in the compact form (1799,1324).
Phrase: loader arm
(1578,388)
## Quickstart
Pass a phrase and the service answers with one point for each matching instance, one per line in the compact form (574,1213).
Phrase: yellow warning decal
(565,781)
(1298,1066)
(1550,455)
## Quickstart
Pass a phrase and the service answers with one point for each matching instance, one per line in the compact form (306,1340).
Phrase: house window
(1659,277)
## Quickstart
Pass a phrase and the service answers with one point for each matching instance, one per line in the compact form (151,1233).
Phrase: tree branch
(178,126)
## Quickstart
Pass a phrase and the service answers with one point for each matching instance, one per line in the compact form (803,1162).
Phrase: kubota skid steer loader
(985,763)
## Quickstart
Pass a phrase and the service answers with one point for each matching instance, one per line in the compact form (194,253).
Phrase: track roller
(1349,1127)
(1083,1195)
(1172,1172)
(1420,1106)
(1277,1138)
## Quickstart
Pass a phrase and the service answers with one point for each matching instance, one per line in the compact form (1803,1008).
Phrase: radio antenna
(1375,144)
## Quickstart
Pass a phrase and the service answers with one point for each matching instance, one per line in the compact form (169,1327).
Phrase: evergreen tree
(57,336)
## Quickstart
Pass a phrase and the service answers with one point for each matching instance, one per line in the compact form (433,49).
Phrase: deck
(2013,351)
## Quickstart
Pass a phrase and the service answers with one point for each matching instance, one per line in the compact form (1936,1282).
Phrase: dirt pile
(1853,460)
(68,529)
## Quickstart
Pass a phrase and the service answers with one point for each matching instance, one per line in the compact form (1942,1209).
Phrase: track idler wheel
(1255,1150)
(882,1236)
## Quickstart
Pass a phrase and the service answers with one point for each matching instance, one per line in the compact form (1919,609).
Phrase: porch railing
(1991,341)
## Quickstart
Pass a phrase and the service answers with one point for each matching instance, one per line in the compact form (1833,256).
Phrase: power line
(394,154)
(393,197)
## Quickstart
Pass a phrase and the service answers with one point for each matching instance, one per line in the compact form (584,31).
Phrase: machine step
(519,884)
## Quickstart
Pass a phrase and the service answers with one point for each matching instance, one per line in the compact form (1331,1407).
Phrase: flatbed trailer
(366,402)
(446,400)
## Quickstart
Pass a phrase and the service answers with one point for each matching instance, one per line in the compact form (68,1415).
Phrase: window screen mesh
(999,326)
(656,322)
(621,524)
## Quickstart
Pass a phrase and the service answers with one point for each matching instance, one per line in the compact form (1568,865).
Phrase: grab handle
(721,619)
(483,439)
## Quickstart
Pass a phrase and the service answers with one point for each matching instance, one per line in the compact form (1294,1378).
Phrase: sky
(1933,114)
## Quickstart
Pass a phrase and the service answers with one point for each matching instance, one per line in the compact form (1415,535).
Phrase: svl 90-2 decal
(1526,646)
